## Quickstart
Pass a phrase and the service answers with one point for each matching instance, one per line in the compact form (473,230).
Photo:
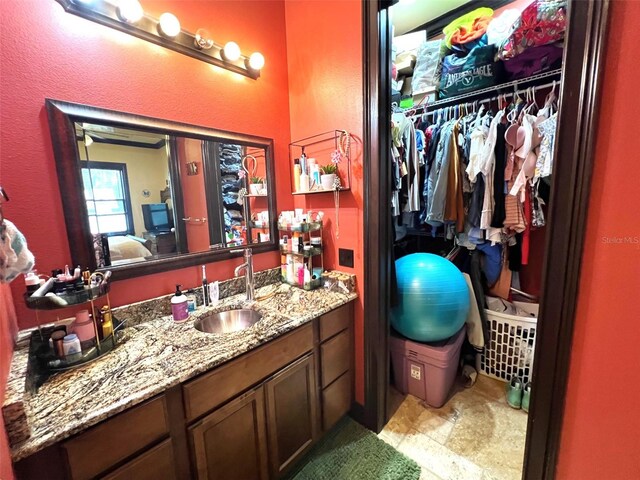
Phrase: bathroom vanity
(173,402)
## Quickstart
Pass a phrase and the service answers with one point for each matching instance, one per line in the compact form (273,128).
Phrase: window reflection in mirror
(150,195)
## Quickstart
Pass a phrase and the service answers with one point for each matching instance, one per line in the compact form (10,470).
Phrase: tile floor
(474,436)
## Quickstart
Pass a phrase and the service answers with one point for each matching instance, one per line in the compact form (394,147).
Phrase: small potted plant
(256,185)
(328,177)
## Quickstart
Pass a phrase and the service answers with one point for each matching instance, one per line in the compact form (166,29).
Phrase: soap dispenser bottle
(179,307)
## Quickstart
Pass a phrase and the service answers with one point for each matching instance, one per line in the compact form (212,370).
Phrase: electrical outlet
(345,257)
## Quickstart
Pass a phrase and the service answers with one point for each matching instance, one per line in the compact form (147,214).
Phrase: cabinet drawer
(335,357)
(335,321)
(107,444)
(151,465)
(336,401)
(212,389)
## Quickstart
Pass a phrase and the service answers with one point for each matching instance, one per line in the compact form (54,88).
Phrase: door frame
(577,121)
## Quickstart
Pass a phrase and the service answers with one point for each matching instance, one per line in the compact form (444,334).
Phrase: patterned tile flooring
(474,436)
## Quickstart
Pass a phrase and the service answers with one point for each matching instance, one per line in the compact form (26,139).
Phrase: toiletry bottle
(290,273)
(32,282)
(214,293)
(99,321)
(283,267)
(107,321)
(316,174)
(71,346)
(205,288)
(57,338)
(179,307)
(191,304)
(304,182)
(303,164)
(296,174)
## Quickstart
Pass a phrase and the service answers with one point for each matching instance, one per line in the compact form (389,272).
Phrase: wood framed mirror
(143,195)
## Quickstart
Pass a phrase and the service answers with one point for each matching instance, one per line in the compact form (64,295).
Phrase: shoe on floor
(526,397)
(514,392)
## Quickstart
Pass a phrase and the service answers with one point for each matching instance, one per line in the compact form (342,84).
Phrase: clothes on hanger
(471,173)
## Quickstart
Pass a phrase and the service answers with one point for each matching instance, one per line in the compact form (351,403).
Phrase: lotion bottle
(296,175)
(304,182)
(179,307)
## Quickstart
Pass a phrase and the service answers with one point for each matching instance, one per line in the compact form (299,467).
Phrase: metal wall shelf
(319,144)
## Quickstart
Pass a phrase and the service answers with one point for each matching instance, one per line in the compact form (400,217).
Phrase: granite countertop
(153,356)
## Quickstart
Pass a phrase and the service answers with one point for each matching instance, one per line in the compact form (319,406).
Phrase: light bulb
(129,11)
(202,39)
(169,25)
(231,51)
(256,61)
(88,141)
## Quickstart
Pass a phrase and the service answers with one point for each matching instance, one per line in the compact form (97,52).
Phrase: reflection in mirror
(143,195)
(125,175)
(256,189)
(151,195)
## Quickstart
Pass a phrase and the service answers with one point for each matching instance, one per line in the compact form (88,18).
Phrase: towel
(474,321)
(468,27)
(15,257)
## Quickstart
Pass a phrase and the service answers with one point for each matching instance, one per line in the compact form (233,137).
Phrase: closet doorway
(565,214)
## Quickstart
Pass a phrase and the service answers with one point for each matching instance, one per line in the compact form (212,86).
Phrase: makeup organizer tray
(309,257)
(43,361)
(88,294)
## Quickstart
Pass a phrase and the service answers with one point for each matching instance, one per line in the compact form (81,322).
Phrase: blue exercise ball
(433,298)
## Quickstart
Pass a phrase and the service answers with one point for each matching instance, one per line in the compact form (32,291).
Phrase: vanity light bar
(148,28)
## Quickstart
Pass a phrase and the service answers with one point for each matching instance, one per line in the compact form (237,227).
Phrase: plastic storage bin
(426,371)
(510,350)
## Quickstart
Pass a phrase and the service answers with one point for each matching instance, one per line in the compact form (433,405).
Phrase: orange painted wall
(601,429)
(324,41)
(80,61)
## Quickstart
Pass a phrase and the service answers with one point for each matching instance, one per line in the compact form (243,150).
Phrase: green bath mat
(351,452)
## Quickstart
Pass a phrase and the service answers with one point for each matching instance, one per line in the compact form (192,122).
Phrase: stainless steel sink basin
(229,321)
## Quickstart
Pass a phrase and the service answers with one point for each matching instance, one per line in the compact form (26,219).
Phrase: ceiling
(407,14)
(108,134)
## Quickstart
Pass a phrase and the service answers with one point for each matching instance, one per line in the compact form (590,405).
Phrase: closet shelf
(493,90)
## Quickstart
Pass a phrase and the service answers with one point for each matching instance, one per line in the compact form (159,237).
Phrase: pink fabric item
(542,22)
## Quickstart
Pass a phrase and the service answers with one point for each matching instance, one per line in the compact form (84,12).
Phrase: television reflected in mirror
(142,195)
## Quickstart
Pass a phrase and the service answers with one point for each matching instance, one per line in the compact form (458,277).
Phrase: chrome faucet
(248,271)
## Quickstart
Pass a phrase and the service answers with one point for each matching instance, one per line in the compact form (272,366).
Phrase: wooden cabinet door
(231,442)
(292,413)
(153,464)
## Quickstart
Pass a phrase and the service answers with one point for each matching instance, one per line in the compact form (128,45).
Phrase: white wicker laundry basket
(512,345)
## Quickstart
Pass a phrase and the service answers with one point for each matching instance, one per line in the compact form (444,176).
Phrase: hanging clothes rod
(478,102)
